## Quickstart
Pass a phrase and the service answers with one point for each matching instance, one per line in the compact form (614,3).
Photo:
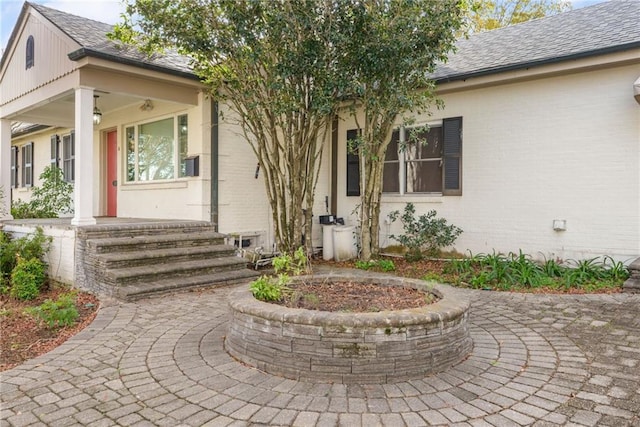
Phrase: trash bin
(344,247)
(327,241)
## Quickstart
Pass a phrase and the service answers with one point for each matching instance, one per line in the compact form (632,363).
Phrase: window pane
(131,154)
(155,150)
(391,177)
(392,149)
(425,145)
(183,146)
(424,176)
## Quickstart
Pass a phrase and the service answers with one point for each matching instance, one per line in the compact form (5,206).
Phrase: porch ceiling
(59,111)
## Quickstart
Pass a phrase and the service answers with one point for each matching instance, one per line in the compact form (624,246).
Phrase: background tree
(271,62)
(491,14)
(390,47)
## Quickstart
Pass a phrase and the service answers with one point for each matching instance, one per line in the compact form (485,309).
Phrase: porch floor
(102,221)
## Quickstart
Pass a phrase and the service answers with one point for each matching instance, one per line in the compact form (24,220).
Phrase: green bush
(3,210)
(425,234)
(35,245)
(267,288)
(50,199)
(58,313)
(27,279)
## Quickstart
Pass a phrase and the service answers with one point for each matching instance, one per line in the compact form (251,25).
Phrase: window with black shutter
(30,53)
(353,164)
(430,157)
(14,167)
(27,165)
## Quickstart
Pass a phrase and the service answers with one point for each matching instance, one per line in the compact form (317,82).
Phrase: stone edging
(350,347)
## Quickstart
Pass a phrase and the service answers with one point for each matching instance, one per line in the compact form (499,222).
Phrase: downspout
(214,164)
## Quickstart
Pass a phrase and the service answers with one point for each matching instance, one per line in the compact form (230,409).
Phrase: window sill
(412,198)
(137,186)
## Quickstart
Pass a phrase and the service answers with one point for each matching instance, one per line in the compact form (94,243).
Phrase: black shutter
(27,165)
(14,167)
(55,151)
(452,169)
(353,165)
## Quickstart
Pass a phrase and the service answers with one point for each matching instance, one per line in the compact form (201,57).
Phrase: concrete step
(143,228)
(165,286)
(156,241)
(115,260)
(173,270)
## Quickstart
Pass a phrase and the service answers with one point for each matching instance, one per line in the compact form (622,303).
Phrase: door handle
(114,183)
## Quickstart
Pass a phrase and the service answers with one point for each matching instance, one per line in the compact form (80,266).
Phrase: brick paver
(537,360)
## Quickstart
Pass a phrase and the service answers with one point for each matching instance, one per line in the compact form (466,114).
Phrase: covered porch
(99,97)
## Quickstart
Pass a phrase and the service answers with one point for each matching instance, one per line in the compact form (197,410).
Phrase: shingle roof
(92,36)
(598,29)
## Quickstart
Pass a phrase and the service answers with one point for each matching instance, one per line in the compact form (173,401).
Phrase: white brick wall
(565,147)
(243,203)
(60,257)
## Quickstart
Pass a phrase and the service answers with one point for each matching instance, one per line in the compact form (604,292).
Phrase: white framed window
(155,150)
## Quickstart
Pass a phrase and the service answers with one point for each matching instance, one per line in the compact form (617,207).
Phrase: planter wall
(350,347)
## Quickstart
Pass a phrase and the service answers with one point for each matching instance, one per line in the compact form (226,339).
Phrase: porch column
(83,186)
(5,168)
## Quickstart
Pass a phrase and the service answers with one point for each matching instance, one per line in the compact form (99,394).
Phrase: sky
(101,10)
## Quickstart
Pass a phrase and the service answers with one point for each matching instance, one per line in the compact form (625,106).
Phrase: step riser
(151,277)
(140,262)
(134,261)
(142,231)
(169,244)
(151,292)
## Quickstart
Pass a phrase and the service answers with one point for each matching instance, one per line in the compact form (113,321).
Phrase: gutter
(536,63)
(84,52)
(28,130)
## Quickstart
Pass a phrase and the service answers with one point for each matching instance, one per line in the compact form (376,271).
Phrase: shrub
(34,245)
(58,313)
(49,200)
(288,264)
(267,288)
(27,278)
(3,210)
(425,234)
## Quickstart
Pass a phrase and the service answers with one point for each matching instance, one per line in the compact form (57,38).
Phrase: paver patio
(537,360)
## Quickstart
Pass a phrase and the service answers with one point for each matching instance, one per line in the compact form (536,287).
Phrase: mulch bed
(354,297)
(22,337)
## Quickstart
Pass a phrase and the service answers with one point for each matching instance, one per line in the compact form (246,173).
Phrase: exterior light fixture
(147,106)
(97,114)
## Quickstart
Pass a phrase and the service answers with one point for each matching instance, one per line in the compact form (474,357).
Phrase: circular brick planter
(347,348)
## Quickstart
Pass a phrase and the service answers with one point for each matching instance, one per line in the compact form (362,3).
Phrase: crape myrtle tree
(390,47)
(270,61)
(285,68)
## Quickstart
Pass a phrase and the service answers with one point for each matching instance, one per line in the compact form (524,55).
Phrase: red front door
(112,173)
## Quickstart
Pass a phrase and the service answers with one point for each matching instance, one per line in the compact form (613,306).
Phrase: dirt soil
(354,297)
(22,337)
